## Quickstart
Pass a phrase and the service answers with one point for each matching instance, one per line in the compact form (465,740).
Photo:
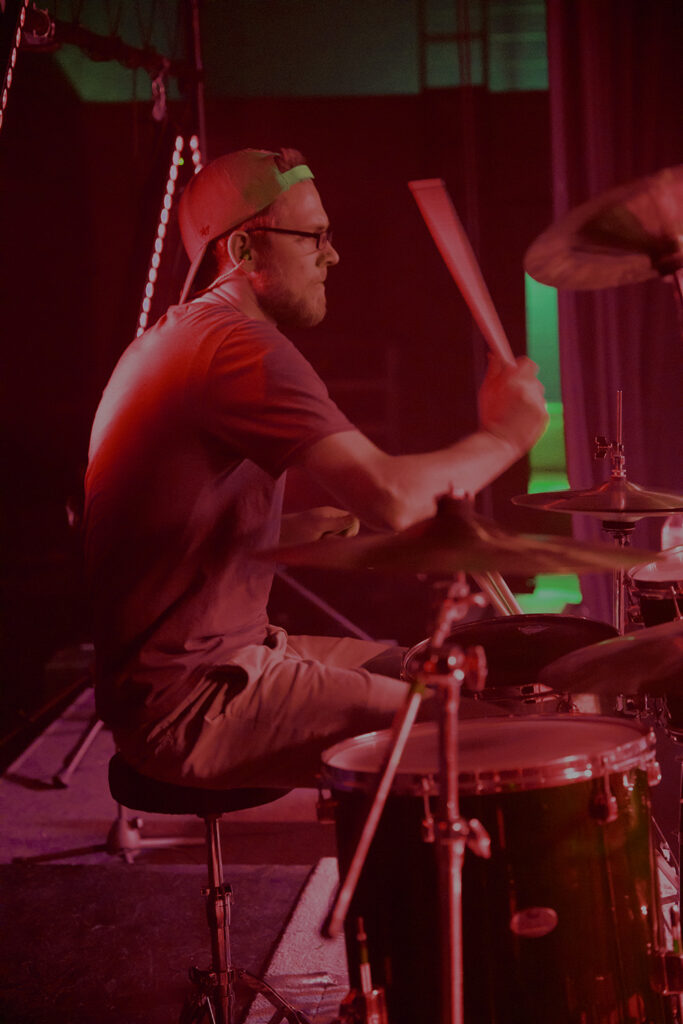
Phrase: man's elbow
(396,509)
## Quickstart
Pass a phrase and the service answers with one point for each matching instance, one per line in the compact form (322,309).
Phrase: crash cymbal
(649,661)
(617,499)
(627,234)
(458,540)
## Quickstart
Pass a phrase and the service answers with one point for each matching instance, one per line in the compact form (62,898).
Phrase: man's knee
(388,663)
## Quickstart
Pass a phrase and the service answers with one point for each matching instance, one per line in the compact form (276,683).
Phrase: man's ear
(237,248)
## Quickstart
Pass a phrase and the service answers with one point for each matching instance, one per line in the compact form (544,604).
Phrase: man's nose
(330,255)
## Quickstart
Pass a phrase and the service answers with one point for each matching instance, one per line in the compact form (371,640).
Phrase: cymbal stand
(498,592)
(447,667)
(619,529)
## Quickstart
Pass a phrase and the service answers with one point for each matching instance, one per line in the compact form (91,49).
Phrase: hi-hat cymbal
(649,661)
(617,499)
(627,234)
(458,540)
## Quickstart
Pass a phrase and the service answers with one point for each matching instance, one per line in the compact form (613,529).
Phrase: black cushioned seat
(213,989)
(142,793)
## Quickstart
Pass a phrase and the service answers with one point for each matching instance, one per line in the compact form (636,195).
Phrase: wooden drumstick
(447,231)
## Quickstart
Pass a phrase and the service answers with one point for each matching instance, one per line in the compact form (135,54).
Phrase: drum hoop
(637,753)
(658,588)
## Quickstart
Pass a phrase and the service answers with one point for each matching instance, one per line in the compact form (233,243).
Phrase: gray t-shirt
(200,418)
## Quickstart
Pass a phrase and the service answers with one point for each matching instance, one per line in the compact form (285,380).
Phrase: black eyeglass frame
(322,238)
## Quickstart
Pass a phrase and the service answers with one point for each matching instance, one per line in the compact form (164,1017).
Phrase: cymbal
(622,236)
(458,540)
(617,499)
(649,661)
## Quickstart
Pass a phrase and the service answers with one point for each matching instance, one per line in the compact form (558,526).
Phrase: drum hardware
(628,234)
(455,540)
(646,668)
(517,647)
(453,833)
(603,803)
(564,915)
(446,669)
(667,973)
(642,706)
(616,500)
(656,590)
(618,503)
(369,1005)
(325,806)
(499,595)
(645,662)
(654,773)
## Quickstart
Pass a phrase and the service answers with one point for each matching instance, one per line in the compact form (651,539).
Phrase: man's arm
(391,492)
(314,523)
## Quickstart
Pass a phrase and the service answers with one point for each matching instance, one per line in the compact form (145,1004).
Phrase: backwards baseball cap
(224,194)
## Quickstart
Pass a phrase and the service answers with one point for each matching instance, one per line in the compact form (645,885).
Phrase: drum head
(498,754)
(518,646)
(668,569)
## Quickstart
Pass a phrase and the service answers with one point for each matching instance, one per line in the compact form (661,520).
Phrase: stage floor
(90,939)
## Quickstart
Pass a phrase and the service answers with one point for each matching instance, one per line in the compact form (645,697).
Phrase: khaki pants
(295,696)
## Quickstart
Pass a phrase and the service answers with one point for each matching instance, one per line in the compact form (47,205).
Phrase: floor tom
(559,924)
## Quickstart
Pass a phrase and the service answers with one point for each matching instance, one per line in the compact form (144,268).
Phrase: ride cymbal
(622,236)
(458,540)
(649,661)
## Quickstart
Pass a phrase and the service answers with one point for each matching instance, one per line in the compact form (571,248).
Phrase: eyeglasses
(322,238)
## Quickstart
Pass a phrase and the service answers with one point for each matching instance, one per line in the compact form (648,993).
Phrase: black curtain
(616,95)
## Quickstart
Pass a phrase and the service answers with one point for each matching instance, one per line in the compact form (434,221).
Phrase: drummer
(200,420)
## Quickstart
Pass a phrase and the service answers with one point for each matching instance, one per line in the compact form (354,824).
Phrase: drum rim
(638,752)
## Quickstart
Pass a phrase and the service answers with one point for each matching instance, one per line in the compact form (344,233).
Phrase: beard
(285,306)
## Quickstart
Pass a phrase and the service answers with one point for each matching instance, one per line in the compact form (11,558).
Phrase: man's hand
(314,523)
(511,403)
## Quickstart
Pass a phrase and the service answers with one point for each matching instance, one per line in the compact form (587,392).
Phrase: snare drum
(517,647)
(560,923)
(657,588)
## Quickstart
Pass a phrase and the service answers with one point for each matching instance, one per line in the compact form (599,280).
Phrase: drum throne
(214,989)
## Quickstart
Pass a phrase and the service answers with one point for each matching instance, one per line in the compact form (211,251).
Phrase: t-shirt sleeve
(264,399)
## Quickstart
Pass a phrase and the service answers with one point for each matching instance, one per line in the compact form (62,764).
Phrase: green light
(542,334)
(551,594)
(547,459)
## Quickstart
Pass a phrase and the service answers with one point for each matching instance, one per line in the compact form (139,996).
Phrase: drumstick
(445,228)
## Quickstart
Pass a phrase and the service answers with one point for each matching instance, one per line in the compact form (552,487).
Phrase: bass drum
(560,924)
(517,647)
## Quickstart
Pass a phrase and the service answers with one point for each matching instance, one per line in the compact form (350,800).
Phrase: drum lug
(654,773)
(428,832)
(603,804)
(326,808)
(667,973)
(478,840)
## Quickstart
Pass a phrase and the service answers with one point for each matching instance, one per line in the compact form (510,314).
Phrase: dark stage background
(83,169)
(82,187)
